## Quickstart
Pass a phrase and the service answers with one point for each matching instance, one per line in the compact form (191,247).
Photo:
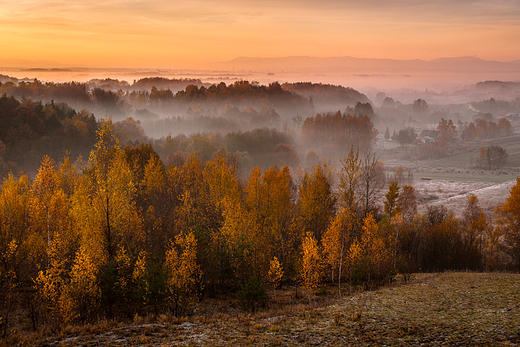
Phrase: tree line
(126,234)
(119,101)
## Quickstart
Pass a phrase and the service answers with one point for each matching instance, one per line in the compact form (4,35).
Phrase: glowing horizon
(182,34)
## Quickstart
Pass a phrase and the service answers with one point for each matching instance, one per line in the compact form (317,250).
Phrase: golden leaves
(310,272)
(183,270)
(275,274)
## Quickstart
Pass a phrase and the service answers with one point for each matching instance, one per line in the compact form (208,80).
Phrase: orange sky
(181,34)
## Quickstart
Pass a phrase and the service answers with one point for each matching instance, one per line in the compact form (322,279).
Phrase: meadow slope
(432,310)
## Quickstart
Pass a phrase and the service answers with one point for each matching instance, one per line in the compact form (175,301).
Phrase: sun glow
(169,34)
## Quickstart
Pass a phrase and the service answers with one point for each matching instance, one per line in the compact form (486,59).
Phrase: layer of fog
(441,87)
(448,95)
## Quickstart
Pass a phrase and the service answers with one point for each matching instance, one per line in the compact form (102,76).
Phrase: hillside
(432,310)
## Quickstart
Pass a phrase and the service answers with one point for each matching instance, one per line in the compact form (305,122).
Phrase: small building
(428,136)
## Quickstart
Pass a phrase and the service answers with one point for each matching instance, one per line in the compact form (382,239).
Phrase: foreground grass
(432,310)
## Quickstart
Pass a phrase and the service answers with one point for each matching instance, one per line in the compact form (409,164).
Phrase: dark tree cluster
(420,106)
(229,119)
(492,106)
(404,136)
(75,92)
(362,109)
(493,157)
(339,131)
(29,130)
(326,94)
(262,147)
(482,129)
(243,91)
(165,83)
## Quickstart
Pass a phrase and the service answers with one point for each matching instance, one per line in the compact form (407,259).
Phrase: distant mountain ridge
(362,65)
(311,64)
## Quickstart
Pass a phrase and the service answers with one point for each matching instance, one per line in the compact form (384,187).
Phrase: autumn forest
(110,223)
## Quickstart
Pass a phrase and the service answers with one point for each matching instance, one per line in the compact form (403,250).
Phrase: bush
(253,294)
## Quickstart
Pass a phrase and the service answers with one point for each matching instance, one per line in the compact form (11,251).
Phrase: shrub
(253,295)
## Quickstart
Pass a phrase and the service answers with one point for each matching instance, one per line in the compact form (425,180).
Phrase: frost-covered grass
(453,195)
(433,309)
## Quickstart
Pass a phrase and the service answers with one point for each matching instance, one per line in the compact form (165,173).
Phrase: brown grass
(432,310)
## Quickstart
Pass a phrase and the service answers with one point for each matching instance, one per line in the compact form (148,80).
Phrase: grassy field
(466,160)
(466,309)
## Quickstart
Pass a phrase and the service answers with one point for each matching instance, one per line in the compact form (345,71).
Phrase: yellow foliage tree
(407,203)
(68,175)
(50,211)
(221,188)
(124,274)
(80,297)
(316,202)
(45,185)
(16,226)
(376,254)
(183,272)
(392,197)
(354,257)
(310,273)
(51,283)
(237,240)
(337,241)
(140,279)
(275,273)
(221,179)
(103,206)
(270,205)
(154,178)
(370,256)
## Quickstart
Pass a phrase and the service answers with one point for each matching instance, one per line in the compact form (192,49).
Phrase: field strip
(473,176)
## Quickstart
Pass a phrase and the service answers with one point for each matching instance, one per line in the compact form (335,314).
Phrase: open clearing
(432,310)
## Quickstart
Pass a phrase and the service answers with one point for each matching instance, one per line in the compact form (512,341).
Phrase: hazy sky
(173,33)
